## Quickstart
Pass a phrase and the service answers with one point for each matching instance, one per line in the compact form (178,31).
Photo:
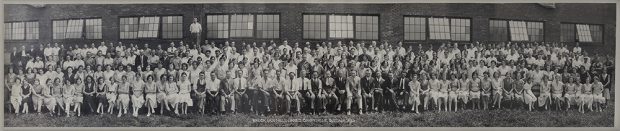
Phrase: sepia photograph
(309,65)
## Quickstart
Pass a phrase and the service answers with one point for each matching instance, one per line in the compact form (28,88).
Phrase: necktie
(291,85)
(302,84)
(239,84)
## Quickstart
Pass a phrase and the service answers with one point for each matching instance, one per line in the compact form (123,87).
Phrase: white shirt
(195,27)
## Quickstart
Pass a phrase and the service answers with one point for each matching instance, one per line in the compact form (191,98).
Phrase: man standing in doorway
(195,28)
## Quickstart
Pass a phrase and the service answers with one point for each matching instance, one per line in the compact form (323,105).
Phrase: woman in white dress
(184,97)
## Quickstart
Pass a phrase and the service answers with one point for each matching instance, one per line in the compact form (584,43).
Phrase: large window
(59,28)
(8,31)
(315,27)
(340,26)
(535,31)
(149,27)
(241,25)
(172,27)
(581,33)
(77,29)
(361,27)
(439,28)
(415,28)
(518,31)
(567,33)
(129,28)
(17,31)
(264,26)
(504,30)
(367,27)
(498,30)
(32,30)
(93,28)
(267,26)
(422,28)
(459,29)
(217,26)
(74,29)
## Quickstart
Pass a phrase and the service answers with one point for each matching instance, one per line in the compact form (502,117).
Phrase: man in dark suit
(141,60)
(367,84)
(388,91)
(401,90)
(15,57)
(341,83)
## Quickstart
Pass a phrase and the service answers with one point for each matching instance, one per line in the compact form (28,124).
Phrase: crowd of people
(274,78)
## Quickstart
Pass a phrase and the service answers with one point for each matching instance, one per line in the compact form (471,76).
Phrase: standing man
(196,28)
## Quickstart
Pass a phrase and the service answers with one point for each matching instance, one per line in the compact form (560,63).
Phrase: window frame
(544,25)
(25,30)
(576,34)
(427,35)
(159,31)
(354,38)
(254,24)
(84,28)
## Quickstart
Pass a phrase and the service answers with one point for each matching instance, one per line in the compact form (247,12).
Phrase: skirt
(49,102)
(543,98)
(517,97)
(497,95)
(101,98)
(137,101)
(598,98)
(172,98)
(452,95)
(26,99)
(68,100)
(59,100)
(508,96)
(78,99)
(474,94)
(185,98)
(556,96)
(16,100)
(36,100)
(414,98)
(161,97)
(463,96)
(123,99)
(151,100)
(606,94)
(571,98)
(89,99)
(586,99)
(111,98)
(529,98)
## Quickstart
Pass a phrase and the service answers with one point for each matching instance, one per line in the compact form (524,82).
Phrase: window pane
(32,30)
(149,27)
(241,25)
(415,28)
(499,30)
(568,33)
(439,28)
(267,26)
(518,31)
(74,28)
(217,26)
(172,27)
(8,31)
(597,33)
(366,27)
(93,28)
(535,31)
(18,30)
(341,25)
(59,28)
(459,28)
(129,28)
(583,33)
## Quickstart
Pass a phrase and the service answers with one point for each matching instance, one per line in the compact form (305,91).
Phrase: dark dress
(101,98)
(89,99)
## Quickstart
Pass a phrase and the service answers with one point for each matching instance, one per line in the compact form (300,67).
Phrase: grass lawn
(467,118)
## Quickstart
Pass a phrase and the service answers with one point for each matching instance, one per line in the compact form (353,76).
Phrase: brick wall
(390,18)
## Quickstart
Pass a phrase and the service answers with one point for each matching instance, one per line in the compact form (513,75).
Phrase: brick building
(593,25)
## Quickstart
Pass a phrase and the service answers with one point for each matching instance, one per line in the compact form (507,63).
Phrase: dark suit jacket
(341,84)
(367,83)
(141,60)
